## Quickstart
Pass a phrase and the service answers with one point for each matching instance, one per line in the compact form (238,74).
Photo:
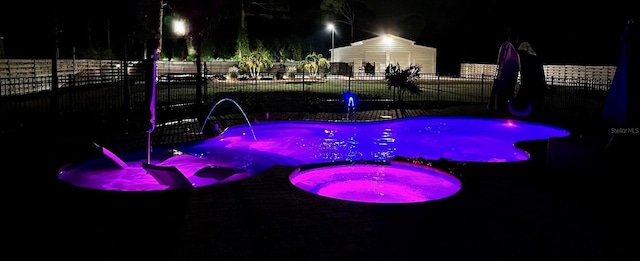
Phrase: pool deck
(584,209)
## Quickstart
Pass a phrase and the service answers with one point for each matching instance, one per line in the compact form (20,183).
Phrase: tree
(268,9)
(343,9)
(255,62)
(145,25)
(242,44)
(294,49)
(403,79)
(204,16)
(313,62)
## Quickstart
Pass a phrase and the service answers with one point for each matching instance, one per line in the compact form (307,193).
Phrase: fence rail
(567,75)
(28,90)
(23,98)
(19,68)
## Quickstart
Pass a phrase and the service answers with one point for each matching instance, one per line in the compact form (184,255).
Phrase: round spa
(396,182)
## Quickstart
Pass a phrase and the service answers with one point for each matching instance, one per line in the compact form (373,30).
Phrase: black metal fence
(26,98)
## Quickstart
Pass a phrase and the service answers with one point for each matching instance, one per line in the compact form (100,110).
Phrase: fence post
(438,88)
(167,65)
(482,87)
(199,76)
(127,88)
(54,75)
(255,88)
(33,68)
(303,94)
(206,82)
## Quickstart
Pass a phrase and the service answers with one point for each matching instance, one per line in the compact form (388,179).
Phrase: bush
(233,73)
(291,72)
(402,78)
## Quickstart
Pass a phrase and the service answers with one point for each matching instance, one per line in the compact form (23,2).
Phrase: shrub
(291,72)
(402,78)
(233,73)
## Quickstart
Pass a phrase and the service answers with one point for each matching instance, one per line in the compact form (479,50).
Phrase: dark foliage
(403,79)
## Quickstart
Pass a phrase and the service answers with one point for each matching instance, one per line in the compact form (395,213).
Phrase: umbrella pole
(152,104)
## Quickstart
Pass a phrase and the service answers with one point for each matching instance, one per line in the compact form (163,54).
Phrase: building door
(379,59)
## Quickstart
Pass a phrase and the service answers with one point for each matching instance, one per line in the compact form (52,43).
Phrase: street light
(179,27)
(332,28)
(181,30)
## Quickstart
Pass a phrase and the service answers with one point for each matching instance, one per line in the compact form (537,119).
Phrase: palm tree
(403,79)
(313,62)
(255,62)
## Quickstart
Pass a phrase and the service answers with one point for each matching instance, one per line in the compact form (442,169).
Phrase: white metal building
(383,50)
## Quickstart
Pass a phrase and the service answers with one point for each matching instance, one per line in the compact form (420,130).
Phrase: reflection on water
(297,143)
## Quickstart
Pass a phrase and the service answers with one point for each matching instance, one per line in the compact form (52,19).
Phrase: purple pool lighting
(128,174)
(236,154)
(376,183)
(464,139)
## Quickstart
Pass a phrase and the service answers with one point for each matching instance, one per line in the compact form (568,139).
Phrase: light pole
(332,28)
(180,31)
(158,49)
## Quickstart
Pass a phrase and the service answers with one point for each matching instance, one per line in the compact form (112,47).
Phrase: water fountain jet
(204,124)
(351,106)
(111,156)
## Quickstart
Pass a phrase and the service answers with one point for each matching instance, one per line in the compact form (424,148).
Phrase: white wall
(384,50)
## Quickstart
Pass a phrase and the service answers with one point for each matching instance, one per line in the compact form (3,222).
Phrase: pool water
(378,183)
(465,139)
(234,154)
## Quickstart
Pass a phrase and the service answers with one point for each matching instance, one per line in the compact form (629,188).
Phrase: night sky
(562,32)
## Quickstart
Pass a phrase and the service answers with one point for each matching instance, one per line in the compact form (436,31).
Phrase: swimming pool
(235,154)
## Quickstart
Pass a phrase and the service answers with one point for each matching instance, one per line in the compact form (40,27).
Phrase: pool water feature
(103,173)
(206,119)
(245,150)
(351,109)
